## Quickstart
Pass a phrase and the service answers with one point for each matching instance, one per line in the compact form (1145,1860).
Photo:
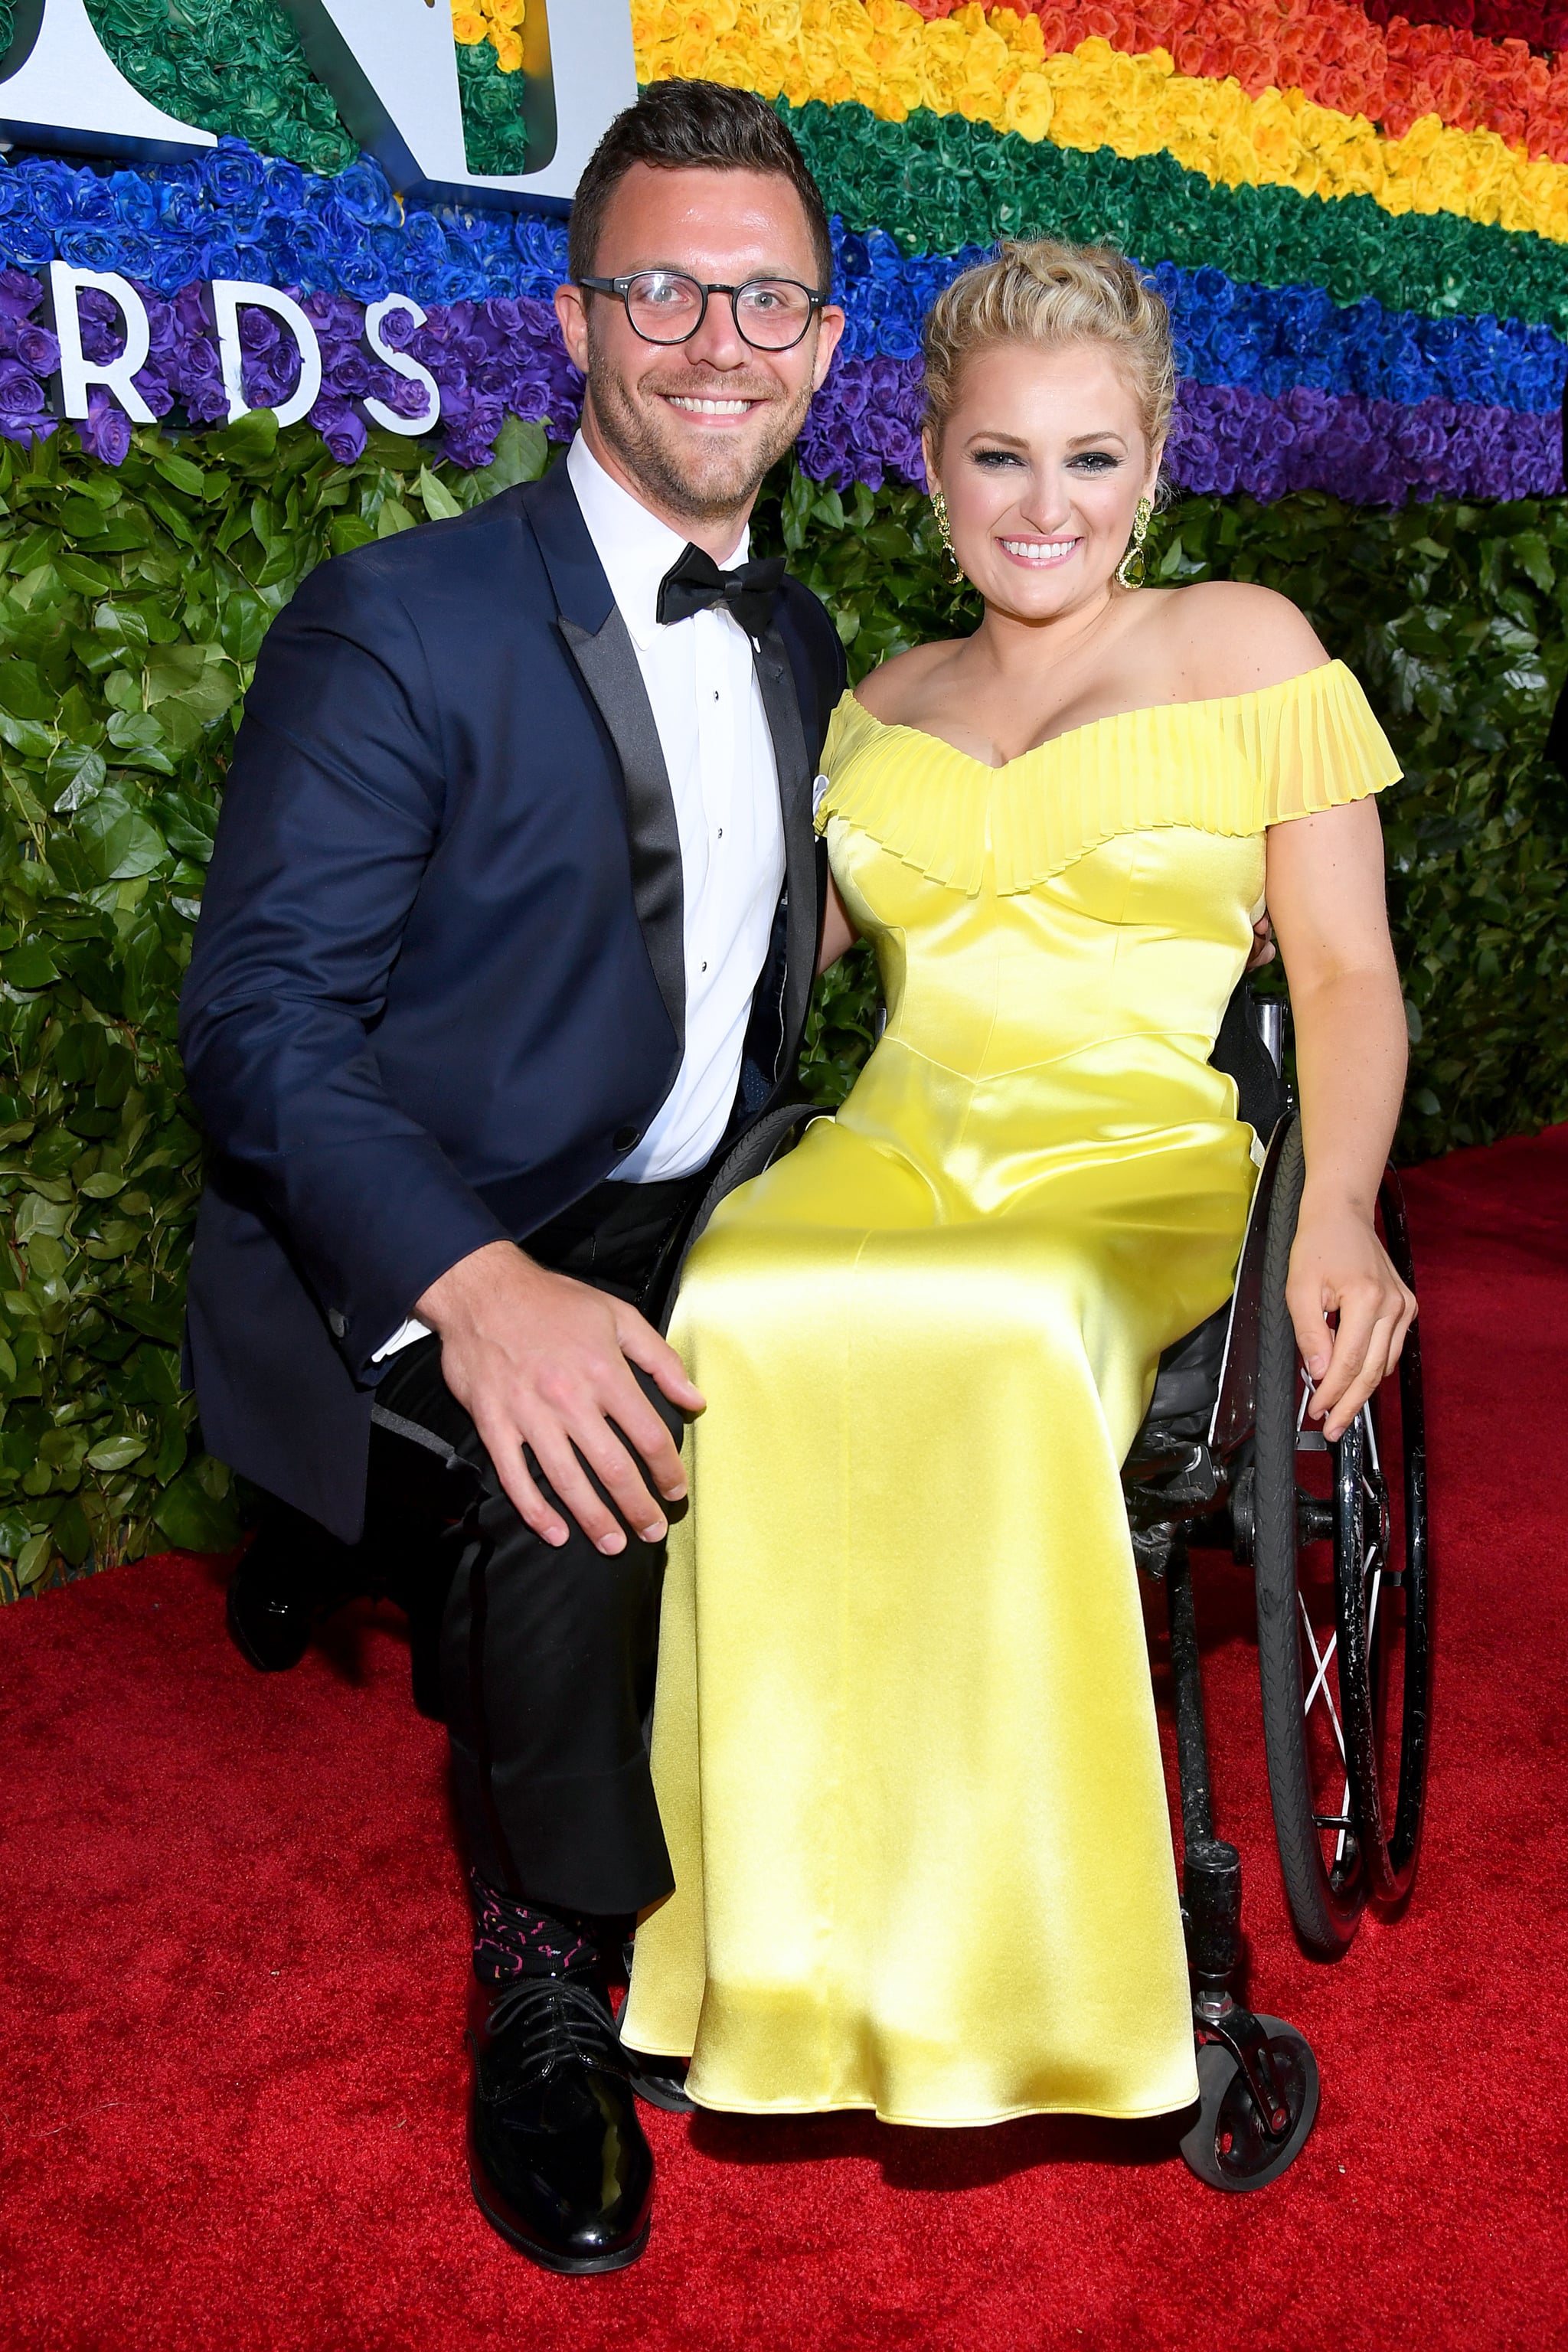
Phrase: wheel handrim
(1322,1707)
(1383,1610)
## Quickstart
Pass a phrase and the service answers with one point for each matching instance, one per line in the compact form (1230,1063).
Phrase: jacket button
(626,1139)
(337,1324)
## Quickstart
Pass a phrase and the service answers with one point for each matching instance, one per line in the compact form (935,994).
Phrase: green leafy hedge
(132,606)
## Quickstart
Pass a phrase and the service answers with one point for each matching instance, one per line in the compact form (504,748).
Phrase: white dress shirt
(718,755)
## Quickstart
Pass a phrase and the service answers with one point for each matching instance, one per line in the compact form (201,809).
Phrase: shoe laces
(550,2022)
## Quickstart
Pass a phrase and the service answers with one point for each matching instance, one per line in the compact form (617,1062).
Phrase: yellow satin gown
(904,1739)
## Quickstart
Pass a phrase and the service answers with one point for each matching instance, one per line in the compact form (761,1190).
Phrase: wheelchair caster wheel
(1227,2145)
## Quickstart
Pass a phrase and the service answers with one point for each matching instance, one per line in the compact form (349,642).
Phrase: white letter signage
(401,364)
(78,373)
(62,89)
(228,295)
(391,67)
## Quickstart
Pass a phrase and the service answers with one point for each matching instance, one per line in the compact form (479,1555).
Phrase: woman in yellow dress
(904,1742)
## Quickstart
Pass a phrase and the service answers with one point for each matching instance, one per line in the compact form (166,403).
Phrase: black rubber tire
(1326,1910)
(1226,2146)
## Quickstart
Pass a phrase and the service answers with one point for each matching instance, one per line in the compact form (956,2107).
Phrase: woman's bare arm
(1326,898)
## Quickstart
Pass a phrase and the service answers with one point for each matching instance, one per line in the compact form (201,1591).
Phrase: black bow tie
(694,582)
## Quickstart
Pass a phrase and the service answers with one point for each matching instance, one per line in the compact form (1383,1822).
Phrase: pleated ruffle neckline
(1234,765)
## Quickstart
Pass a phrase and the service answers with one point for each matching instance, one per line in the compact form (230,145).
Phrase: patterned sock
(513,1938)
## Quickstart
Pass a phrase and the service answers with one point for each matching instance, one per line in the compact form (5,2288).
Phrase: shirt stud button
(626,1138)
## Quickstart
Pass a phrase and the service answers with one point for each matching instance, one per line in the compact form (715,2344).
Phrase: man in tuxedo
(508,933)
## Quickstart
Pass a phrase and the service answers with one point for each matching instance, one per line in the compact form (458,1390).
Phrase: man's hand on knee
(538,1360)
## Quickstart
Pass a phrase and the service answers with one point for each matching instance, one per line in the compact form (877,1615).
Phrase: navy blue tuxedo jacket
(438,988)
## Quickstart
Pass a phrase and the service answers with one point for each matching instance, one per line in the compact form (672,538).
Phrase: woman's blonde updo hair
(1049,294)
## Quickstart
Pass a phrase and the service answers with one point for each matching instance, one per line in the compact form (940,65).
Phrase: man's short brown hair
(681,125)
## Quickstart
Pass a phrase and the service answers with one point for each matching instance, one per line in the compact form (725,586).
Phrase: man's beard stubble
(666,472)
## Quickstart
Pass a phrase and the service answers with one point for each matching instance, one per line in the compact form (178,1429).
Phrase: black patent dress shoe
(556,2156)
(660,2080)
(270,1612)
(293,1575)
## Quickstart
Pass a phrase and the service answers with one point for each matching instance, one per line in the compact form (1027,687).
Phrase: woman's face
(1042,462)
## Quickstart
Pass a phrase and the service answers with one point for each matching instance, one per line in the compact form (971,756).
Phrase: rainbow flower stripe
(997,70)
(937,182)
(1380,309)
(1394,72)
(1359,225)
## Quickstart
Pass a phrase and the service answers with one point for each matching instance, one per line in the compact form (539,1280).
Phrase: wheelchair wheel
(1227,2145)
(1339,1556)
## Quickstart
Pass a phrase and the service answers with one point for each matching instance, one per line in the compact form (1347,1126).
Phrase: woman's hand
(1339,1267)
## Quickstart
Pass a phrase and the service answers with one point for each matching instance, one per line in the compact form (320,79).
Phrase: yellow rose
(467,27)
(507,49)
(1031,102)
(1277,137)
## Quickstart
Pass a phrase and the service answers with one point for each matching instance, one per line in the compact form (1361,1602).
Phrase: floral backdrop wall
(1359,218)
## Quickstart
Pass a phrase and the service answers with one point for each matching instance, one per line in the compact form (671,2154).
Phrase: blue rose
(135,202)
(285,186)
(97,249)
(236,179)
(94,200)
(182,201)
(365,194)
(221,259)
(366,275)
(28,243)
(51,191)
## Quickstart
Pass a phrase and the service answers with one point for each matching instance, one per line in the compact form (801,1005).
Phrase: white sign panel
(392,70)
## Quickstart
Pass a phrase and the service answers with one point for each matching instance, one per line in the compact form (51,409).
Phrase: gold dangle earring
(939,508)
(1130,569)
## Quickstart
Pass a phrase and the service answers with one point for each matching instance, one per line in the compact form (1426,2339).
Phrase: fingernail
(615,1541)
(556,1535)
(654,1533)
(674,1493)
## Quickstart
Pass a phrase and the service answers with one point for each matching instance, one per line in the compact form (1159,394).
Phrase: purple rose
(105,431)
(20,391)
(37,348)
(342,427)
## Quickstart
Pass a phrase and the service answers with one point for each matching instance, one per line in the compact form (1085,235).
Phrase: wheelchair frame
(1217,1456)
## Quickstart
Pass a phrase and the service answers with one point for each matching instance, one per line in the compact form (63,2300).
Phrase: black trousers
(547,1654)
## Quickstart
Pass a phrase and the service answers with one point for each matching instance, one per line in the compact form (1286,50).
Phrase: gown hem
(943,2123)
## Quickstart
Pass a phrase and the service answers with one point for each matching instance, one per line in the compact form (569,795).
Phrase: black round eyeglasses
(664,306)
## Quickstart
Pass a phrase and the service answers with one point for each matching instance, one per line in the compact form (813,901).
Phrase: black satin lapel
(608,662)
(780,703)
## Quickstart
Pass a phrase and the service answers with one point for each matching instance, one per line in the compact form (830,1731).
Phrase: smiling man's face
(691,428)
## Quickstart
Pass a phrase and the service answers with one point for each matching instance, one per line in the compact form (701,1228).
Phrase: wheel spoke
(1323,1659)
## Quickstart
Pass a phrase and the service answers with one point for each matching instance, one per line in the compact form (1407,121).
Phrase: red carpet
(231,2080)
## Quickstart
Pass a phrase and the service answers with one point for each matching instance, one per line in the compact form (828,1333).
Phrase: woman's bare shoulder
(889,691)
(1234,637)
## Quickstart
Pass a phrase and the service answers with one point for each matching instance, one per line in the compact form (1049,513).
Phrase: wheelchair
(1337,1539)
